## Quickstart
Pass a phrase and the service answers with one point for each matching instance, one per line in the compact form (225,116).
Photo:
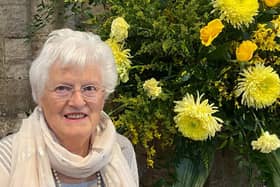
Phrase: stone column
(15,58)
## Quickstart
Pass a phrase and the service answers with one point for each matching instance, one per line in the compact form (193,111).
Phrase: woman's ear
(39,102)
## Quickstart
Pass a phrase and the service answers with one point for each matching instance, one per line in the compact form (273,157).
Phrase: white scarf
(36,150)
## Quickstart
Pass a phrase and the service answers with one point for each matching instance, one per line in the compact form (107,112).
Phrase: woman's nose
(77,99)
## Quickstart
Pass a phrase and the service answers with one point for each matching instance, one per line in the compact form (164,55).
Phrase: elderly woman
(68,141)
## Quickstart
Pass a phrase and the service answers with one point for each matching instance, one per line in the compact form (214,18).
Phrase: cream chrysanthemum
(119,29)
(259,86)
(237,12)
(122,59)
(266,143)
(194,119)
(152,88)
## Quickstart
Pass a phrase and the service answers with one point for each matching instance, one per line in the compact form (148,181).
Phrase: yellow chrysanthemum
(152,88)
(271,3)
(119,29)
(266,143)
(245,51)
(122,59)
(259,86)
(237,12)
(265,37)
(209,32)
(276,25)
(194,119)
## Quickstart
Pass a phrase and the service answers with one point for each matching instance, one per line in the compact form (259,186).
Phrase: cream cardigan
(6,144)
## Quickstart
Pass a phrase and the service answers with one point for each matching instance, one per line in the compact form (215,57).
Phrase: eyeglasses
(89,92)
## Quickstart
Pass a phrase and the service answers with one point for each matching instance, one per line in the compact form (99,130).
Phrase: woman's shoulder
(126,147)
(124,143)
(6,152)
(129,154)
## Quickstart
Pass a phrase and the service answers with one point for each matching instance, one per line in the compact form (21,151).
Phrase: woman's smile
(75,116)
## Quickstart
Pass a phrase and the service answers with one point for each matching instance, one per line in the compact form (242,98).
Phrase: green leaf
(191,173)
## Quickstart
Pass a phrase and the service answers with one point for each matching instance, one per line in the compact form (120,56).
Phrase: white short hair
(66,46)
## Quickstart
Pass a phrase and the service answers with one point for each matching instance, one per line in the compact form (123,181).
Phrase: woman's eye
(63,88)
(90,88)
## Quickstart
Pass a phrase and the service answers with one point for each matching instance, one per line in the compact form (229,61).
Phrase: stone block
(14,20)
(18,104)
(37,44)
(17,71)
(14,2)
(3,20)
(15,97)
(3,87)
(8,126)
(17,49)
(2,57)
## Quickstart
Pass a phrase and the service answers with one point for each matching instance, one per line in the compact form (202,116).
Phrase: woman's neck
(78,147)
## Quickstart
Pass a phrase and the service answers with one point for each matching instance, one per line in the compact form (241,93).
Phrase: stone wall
(16,54)
(15,57)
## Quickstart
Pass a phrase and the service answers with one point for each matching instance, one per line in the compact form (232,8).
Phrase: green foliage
(191,173)
(42,17)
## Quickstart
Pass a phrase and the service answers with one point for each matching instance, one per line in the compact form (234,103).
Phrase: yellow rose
(245,51)
(271,3)
(211,31)
(119,29)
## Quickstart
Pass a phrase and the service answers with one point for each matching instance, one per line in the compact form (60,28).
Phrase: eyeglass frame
(71,90)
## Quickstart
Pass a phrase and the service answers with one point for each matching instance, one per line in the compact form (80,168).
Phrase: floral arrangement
(195,77)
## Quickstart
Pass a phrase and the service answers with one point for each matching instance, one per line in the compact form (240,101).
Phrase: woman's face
(70,109)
